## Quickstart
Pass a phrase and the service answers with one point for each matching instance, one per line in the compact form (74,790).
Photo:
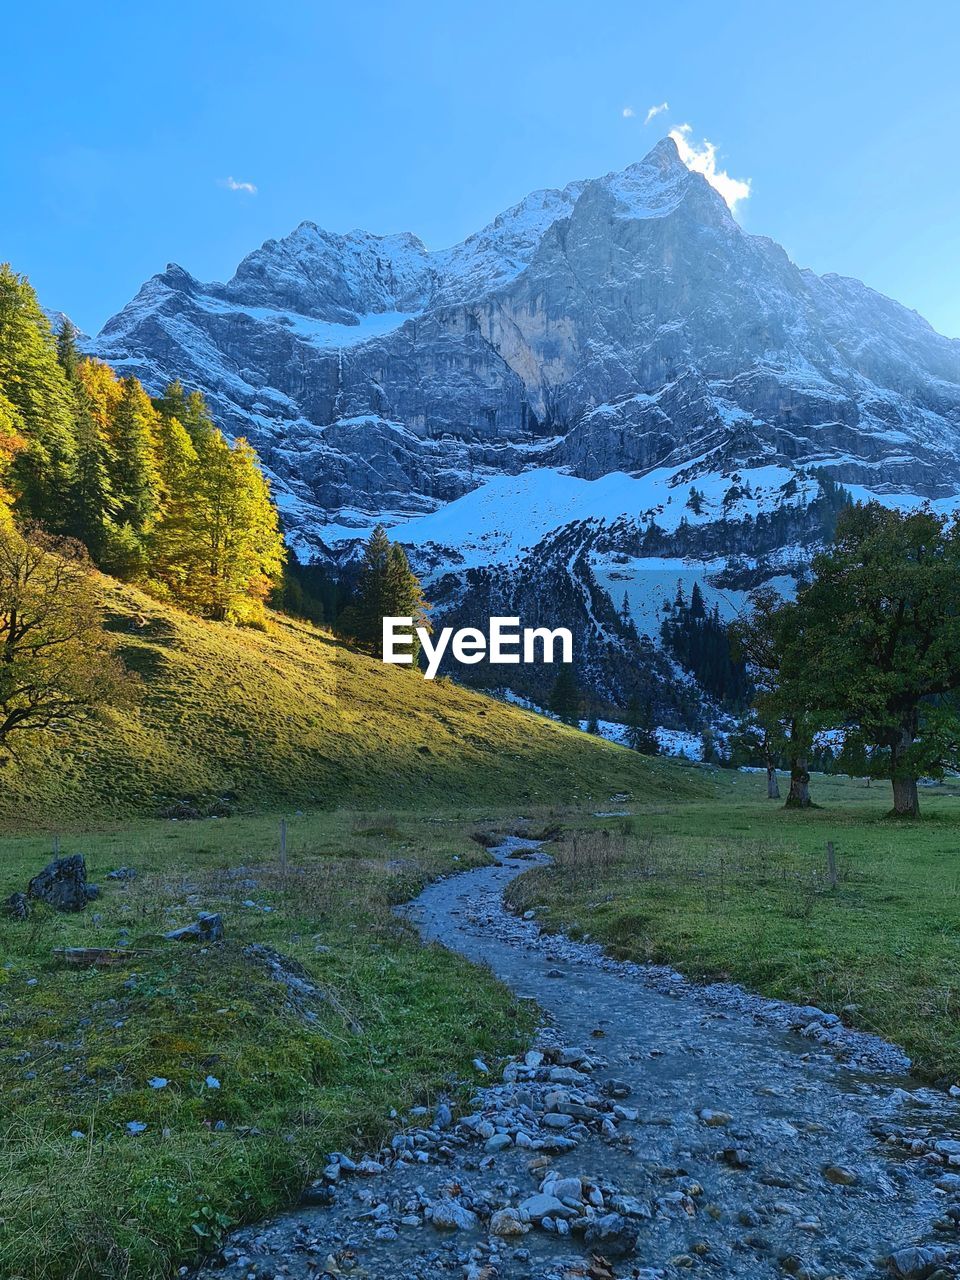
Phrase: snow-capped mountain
(609,387)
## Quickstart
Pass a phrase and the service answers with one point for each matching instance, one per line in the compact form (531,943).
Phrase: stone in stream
(443,1116)
(569,1190)
(506,1222)
(612,1236)
(917,1263)
(450,1215)
(735,1157)
(840,1175)
(715,1119)
(498,1142)
(543,1206)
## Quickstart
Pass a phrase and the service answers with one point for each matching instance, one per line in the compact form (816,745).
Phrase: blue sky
(130,131)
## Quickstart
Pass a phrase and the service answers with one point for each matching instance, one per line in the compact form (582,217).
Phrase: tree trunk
(773,785)
(798,797)
(906,800)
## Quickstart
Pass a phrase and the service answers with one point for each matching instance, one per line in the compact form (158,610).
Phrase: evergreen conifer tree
(136,473)
(67,353)
(405,594)
(33,383)
(640,735)
(387,588)
(92,505)
(565,697)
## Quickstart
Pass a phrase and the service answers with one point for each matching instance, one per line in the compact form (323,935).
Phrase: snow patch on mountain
(507,516)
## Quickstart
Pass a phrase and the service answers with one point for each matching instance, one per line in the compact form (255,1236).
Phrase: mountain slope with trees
(252,719)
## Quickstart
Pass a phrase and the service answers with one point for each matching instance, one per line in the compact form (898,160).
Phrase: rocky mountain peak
(552,388)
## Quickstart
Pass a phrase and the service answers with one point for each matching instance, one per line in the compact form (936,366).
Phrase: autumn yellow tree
(57,663)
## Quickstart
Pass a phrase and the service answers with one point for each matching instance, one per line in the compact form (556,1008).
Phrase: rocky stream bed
(657,1129)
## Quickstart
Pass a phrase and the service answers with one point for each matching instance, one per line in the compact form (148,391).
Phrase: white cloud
(655,111)
(628,113)
(233,185)
(702,158)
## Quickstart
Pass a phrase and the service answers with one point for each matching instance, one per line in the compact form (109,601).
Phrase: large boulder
(62,884)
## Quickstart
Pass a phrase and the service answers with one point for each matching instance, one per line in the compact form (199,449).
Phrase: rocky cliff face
(586,360)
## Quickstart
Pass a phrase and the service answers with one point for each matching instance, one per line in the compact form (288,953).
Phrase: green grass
(239,720)
(400,1023)
(735,886)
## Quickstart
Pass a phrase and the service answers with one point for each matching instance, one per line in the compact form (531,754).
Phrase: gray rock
(613,1236)
(543,1206)
(715,1119)
(208,927)
(912,1263)
(499,1142)
(17,906)
(62,884)
(450,1215)
(507,1223)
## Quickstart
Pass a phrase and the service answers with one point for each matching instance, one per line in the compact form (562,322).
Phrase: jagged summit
(580,363)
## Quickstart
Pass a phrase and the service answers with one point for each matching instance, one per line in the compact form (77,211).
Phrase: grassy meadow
(258,1087)
(237,720)
(734,886)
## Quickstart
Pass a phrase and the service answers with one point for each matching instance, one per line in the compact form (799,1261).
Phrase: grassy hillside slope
(249,720)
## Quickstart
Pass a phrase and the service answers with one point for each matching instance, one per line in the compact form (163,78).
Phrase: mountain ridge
(621,326)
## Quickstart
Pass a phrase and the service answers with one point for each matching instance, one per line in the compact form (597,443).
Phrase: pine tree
(92,506)
(640,735)
(67,353)
(136,474)
(695,501)
(697,609)
(405,594)
(173,402)
(708,747)
(33,383)
(364,619)
(103,393)
(565,697)
(386,588)
(196,418)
